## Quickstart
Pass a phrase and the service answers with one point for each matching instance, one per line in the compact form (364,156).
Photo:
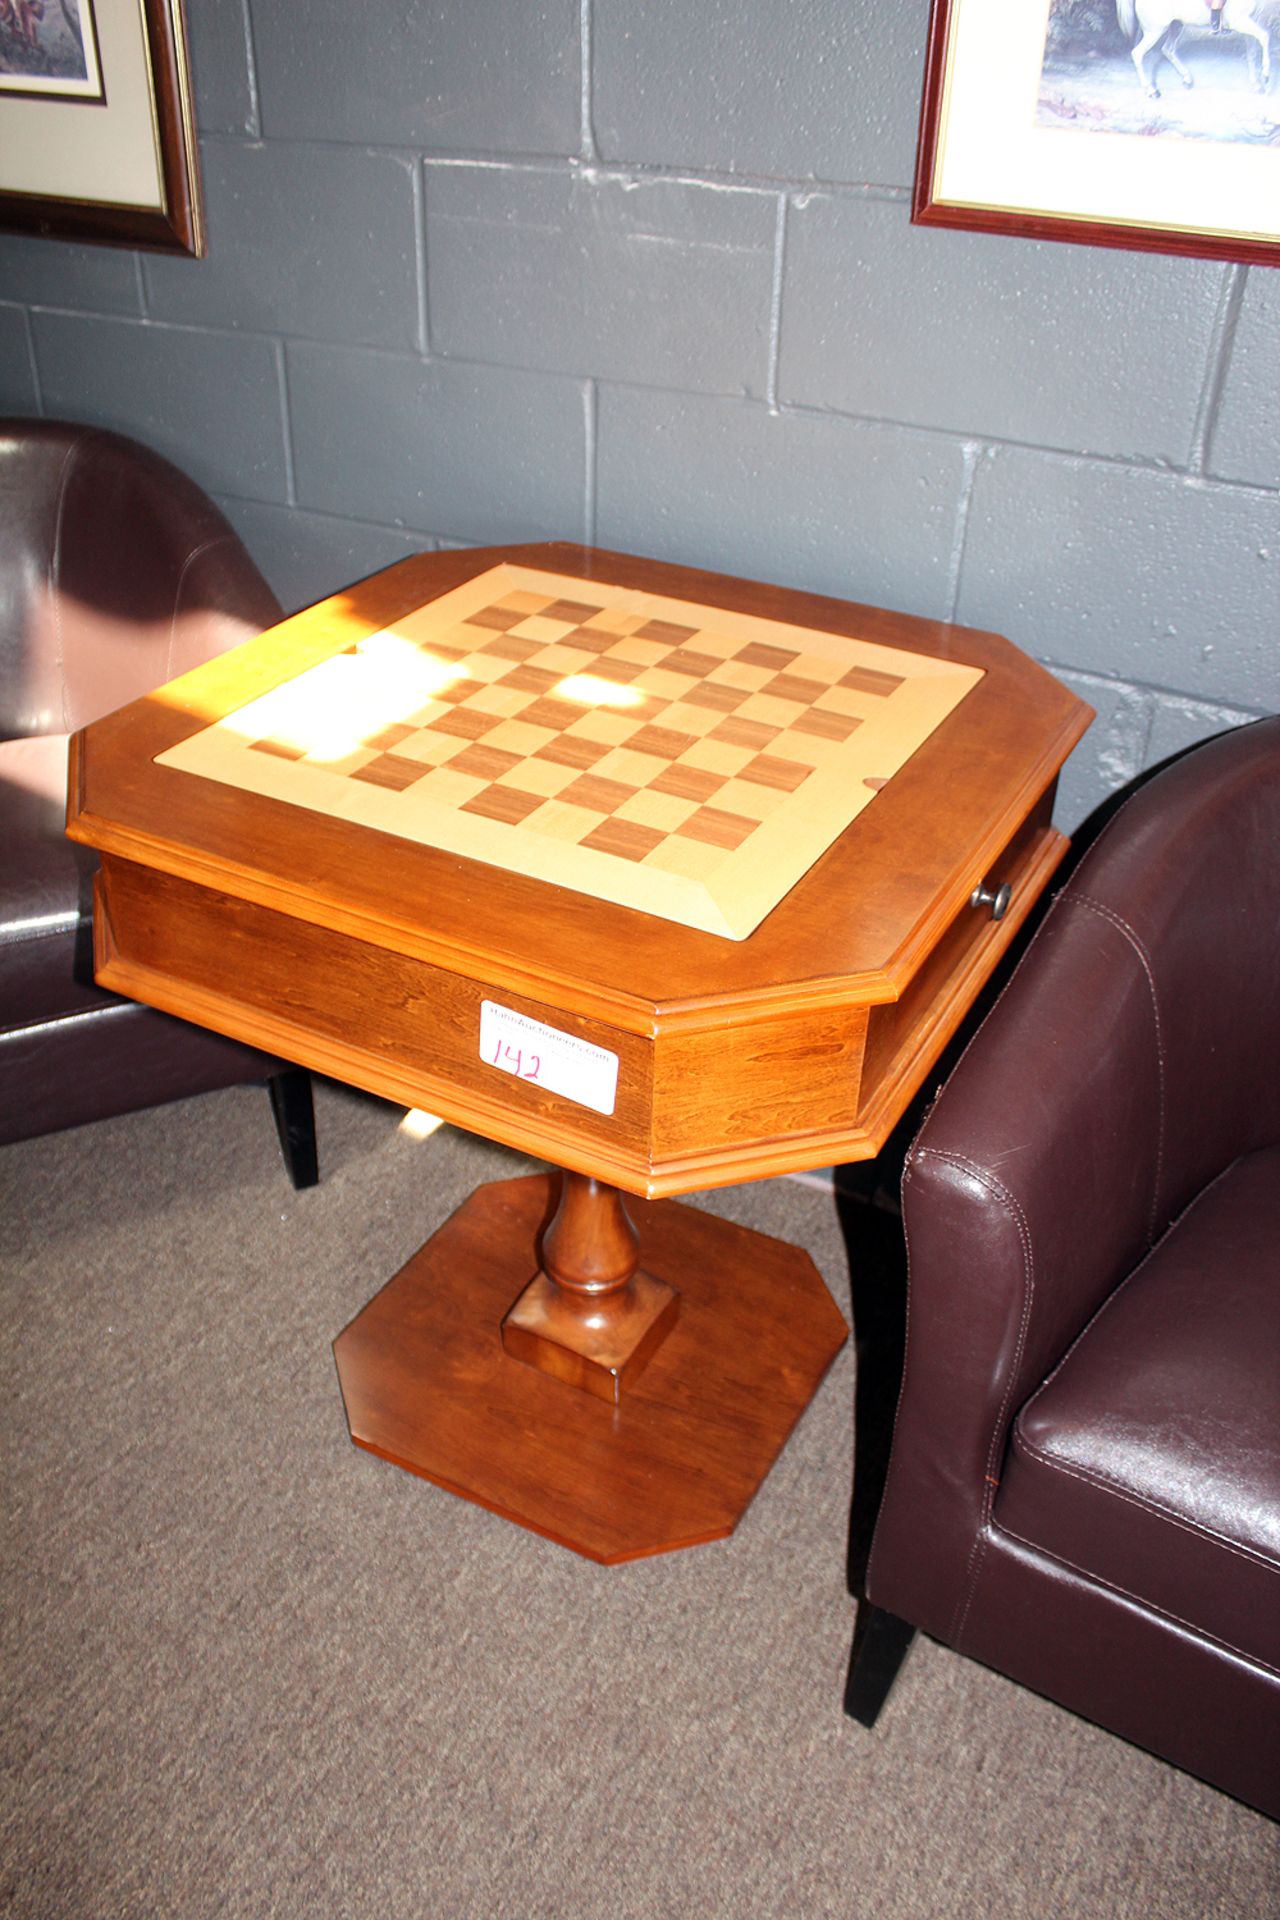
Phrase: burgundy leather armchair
(116,573)
(1084,1484)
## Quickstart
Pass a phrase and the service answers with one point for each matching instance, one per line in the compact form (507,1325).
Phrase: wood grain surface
(681,759)
(428,1386)
(368,956)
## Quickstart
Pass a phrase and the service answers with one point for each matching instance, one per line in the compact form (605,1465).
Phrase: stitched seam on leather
(1002,1194)
(1164,1613)
(1122,926)
(1061,900)
(1130,1277)
(187,565)
(55,569)
(1106,1484)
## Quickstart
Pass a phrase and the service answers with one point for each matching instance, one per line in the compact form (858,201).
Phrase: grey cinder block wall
(641,272)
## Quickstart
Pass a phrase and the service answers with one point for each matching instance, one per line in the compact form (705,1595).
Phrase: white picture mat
(991,154)
(105,154)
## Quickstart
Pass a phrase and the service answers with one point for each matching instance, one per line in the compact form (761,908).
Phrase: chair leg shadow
(880,1644)
(878,1284)
(866,1205)
(293,1105)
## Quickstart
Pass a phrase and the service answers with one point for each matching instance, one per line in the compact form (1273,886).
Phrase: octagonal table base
(429,1386)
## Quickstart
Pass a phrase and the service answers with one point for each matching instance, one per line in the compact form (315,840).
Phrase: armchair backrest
(116,573)
(1133,1057)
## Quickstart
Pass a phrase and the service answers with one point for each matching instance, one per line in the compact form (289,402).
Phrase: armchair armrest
(118,574)
(1027,1197)
(1109,1084)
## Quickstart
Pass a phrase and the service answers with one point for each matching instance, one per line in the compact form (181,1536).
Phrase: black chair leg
(880,1645)
(294,1109)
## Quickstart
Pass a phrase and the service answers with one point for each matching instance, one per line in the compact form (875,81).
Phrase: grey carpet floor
(249,1670)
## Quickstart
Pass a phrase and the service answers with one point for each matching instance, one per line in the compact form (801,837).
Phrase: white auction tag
(561,1062)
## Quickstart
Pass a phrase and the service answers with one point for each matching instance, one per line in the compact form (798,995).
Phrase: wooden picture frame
(110,154)
(1036,120)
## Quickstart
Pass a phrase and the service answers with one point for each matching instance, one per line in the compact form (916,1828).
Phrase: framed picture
(97,133)
(1122,123)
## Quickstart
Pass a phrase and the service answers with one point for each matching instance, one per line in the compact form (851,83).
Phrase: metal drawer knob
(997,898)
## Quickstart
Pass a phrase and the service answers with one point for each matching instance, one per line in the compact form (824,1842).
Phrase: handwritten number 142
(525,1066)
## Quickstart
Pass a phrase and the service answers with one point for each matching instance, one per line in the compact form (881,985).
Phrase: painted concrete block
(863,512)
(1178,724)
(662,282)
(1086,348)
(52,273)
(1136,729)
(475,453)
(314,241)
(210,402)
(17,375)
(1113,752)
(905,353)
(1246,443)
(307,556)
(1125,570)
(218,41)
(489,76)
(817,89)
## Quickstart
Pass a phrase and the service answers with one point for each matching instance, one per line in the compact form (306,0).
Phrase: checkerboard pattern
(684,760)
(638,737)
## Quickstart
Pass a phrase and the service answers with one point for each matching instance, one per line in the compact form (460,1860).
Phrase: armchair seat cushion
(1150,1458)
(46,952)
(114,1054)
(117,572)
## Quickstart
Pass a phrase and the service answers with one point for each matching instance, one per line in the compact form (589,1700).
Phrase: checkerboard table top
(682,759)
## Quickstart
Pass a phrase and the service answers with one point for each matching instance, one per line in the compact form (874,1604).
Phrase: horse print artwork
(1048,119)
(1095,49)
(49,50)
(1155,27)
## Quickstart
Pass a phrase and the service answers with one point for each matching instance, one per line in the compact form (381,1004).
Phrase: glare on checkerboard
(328,711)
(589,690)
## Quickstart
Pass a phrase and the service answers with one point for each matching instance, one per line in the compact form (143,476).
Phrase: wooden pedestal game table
(671,879)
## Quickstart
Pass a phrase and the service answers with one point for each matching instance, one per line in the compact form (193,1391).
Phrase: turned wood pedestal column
(591,1316)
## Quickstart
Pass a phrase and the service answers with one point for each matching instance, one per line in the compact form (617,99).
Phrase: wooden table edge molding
(184,707)
(627,1011)
(860,1138)
(660,1369)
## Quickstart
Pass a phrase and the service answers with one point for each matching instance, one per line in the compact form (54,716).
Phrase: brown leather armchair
(1084,1484)
(116,573)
